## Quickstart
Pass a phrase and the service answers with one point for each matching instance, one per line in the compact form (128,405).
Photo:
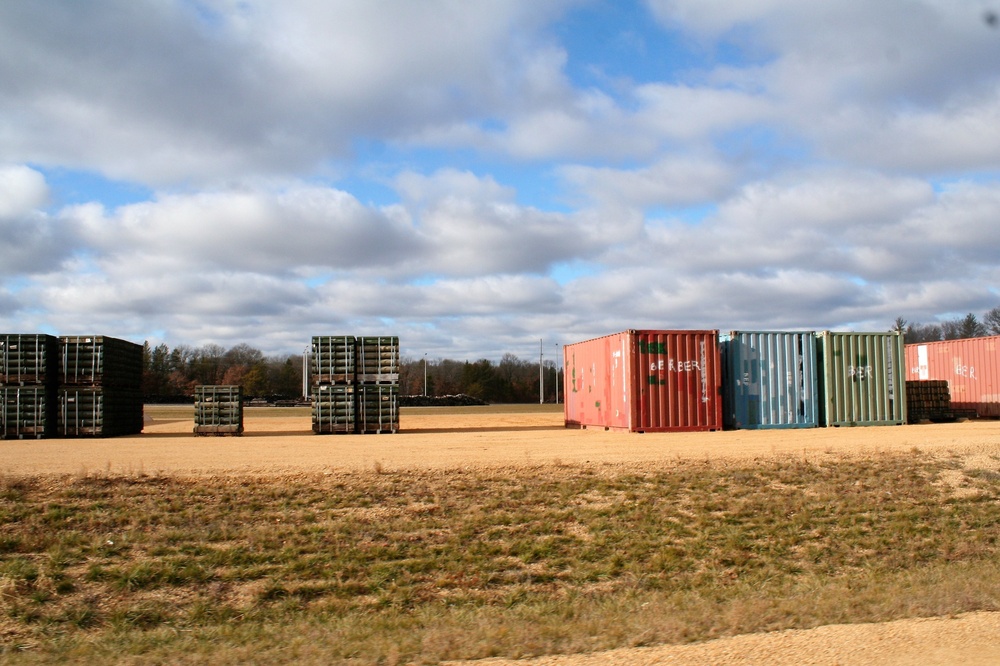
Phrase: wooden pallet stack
(29,381)
(218,410)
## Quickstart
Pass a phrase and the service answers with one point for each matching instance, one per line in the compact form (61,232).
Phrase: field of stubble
(520,539)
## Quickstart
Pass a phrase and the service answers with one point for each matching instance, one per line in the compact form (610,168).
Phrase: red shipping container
(970,366)
(645,381)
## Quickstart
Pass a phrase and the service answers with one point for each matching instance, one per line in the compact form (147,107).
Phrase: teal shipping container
(863,379)
(770,379)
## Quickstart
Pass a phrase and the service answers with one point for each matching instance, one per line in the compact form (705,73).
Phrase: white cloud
(675,180)
(243,88)
(30,240)
(260,231)
(785,164)
(22,190)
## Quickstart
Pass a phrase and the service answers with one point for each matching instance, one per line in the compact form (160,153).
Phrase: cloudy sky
(477,176)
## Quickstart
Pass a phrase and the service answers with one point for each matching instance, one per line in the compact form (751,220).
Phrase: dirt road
(277,443)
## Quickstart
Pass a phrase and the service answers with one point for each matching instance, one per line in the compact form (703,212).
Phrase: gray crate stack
(378,384)
(355,384)
(29,380)
(218,410)
(100,392)
(333,377)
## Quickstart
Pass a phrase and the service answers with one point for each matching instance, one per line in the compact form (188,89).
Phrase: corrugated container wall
(862,379)
(644,381)
(769,380)
(971,367)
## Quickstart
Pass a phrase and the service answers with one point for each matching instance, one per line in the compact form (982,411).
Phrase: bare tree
(991,321)
(922,333)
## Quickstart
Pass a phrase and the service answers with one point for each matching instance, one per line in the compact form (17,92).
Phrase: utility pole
(541,375)
(425,374)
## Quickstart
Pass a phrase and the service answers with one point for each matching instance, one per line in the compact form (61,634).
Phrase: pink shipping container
(645,381)
(970,366)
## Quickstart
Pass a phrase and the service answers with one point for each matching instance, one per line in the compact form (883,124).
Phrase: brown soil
(489,438)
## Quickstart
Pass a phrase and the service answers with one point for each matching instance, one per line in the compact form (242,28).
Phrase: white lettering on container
(860,372)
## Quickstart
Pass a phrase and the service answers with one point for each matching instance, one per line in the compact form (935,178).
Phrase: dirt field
(281,441)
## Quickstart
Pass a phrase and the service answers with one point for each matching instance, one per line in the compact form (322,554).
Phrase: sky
(492,177)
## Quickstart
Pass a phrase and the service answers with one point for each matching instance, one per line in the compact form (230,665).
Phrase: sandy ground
(430,439)
(483,438)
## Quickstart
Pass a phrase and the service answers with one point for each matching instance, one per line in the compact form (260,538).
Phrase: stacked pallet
(333,376)
(355,384)
(378,384)
(28,385)
(928,400)
(218,410)
(100,392)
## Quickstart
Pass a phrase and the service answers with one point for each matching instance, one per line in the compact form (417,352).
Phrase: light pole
(305,373)
(557,373)
(541,375)
(425,374)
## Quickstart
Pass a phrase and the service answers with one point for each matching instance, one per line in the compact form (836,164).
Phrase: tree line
(172,374)
(969,326)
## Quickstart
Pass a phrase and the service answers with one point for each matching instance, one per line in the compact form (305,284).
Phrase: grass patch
(422,566)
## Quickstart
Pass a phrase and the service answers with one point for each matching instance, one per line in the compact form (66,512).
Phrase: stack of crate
(218,410)
(28,385)
(928,400)
(378,384)
(100,392)
(333,377)
(355,384)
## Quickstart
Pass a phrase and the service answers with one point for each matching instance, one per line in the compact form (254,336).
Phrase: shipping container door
(678,381)
(863,380)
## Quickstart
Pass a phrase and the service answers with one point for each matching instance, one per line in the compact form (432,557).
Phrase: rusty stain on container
(644,381)
(970,366)
(862,378)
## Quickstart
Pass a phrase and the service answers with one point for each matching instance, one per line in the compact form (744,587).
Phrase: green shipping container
(863,379)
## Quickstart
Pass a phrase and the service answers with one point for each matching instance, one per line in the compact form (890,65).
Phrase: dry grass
(385,566)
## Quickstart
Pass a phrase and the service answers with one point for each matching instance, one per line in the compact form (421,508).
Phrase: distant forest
(172,374)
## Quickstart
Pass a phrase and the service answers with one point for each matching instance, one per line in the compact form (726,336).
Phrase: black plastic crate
(333,408)
(30,359)
(218,410)
(99,360)
(28,412)
(378,408)
(377,360)
(99,411)
(332,360)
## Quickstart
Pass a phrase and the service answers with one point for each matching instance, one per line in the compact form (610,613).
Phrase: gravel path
(970,640)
